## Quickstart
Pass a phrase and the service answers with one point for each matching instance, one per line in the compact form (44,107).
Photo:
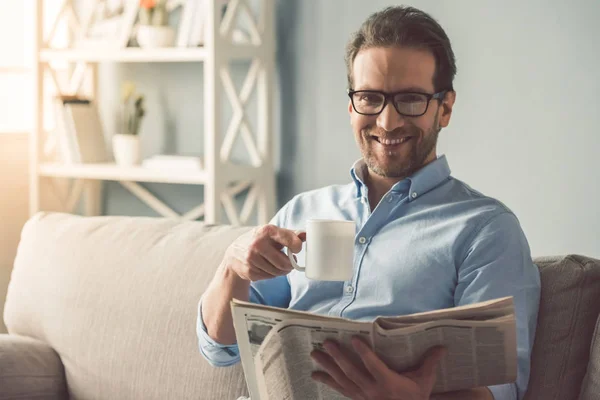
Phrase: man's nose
(389,119)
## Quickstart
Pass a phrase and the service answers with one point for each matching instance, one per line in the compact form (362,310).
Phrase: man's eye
(370,98)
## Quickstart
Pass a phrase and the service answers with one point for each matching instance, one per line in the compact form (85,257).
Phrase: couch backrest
(116,297)
(590,389)
(569,308)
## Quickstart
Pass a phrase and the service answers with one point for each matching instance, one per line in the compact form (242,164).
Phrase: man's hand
(257,254)
(372,379)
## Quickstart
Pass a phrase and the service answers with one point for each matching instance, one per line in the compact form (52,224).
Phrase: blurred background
(524,127)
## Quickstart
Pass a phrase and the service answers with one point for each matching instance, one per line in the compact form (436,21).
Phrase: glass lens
(411,103)
(368,102)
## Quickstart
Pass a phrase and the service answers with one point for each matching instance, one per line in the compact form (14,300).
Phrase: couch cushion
(590,390)
(569,308)
(30,369)
(116,297)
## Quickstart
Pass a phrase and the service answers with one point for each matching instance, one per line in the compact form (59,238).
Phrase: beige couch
(105,308)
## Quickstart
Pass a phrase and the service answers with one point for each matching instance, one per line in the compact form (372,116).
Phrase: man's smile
(392,143)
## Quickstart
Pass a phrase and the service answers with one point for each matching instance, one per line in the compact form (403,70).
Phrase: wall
(523,128)
(13,204)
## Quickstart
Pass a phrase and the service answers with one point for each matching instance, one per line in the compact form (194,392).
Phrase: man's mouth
(392,142)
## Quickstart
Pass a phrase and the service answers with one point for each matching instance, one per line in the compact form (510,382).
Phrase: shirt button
(349,289)
(362,240)
(414,195)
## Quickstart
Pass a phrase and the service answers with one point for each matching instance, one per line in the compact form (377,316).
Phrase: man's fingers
(284,237)
(333,371)
(324,378)
(270,251)
(431,360)
(351,370)
(370,359)
(257,261)
(277,258)
(249,273)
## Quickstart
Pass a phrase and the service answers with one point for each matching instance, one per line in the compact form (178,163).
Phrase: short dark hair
(405,27)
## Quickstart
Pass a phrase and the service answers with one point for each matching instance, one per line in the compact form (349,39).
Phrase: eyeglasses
(408,104)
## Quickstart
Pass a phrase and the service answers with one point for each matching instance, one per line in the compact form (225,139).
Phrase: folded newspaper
(275,346)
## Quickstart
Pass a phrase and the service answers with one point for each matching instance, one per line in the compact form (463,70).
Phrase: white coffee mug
(329,250)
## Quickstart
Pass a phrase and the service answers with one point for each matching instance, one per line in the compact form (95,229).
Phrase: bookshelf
(222,179)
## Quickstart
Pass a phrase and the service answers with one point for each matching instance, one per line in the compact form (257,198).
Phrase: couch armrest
(30,369)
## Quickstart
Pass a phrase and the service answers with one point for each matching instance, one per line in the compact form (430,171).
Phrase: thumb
(296,240)
(288,238)
(431,360)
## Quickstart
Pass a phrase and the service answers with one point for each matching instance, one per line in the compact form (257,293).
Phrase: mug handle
(291,257)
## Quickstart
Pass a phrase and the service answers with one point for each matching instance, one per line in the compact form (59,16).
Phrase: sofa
(105,307)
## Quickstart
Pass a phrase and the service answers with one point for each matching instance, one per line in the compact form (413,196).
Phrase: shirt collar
(421,182)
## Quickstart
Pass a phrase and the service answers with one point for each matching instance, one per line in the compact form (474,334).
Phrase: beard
(400,163)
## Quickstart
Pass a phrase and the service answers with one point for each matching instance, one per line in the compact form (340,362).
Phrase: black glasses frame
(390,96)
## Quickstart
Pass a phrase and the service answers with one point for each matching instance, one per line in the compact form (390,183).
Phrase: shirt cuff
(217,354)
(504,392)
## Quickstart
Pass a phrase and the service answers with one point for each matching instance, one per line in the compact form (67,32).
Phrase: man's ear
(350,107)
(446,106)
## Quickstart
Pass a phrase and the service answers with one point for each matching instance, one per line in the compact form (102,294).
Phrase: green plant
(132,109)
(153,12)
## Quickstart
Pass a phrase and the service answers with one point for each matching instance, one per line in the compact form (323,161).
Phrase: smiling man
(424,241)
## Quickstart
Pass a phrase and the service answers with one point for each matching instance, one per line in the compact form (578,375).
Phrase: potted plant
(126,143)
(153,29)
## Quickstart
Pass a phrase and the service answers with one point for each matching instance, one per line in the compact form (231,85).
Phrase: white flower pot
(126,149)
(155,36)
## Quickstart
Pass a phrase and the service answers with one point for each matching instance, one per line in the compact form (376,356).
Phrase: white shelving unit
(221,178)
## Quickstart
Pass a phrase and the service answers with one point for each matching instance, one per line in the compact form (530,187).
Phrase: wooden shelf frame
(221,179)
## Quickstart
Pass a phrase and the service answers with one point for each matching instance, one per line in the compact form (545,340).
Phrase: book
(275,346)
(67,145)
(186,22)
(79,130)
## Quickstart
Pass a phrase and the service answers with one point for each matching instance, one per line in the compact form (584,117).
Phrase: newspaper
(275,346)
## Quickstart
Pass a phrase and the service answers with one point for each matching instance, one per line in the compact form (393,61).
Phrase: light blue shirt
(432,242)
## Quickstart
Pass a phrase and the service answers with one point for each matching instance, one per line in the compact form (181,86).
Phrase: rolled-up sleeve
(497,263)
(217,354)
(272,292)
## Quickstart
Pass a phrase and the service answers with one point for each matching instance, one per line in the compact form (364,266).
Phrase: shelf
(134,54)
(240,36)
(113,172)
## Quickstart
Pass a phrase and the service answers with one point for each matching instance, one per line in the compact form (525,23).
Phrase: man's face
(393,145)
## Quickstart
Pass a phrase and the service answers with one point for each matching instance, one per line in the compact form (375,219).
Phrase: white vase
(126,149)
(149,36)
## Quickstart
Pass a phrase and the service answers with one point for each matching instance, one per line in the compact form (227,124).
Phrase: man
(424,240)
